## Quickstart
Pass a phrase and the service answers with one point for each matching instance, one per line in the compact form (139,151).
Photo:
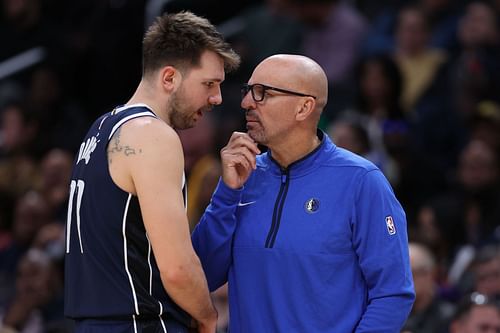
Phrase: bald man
(313,239)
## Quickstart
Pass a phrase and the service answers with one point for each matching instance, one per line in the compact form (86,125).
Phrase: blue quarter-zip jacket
(320,246)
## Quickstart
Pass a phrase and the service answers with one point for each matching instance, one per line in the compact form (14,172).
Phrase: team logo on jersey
(391,227)
(86,148)
(312,205)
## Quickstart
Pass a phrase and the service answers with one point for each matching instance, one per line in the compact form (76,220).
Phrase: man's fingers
(240,139)
(236,153)
(243,158)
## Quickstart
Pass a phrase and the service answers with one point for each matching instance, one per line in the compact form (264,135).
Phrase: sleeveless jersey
(110,269)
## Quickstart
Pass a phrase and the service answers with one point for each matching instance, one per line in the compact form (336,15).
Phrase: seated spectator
(485,124)
(442,16)
(31,213)
(55,174)
(38,300)
(430,314)
(377,106)
(18,169)
(418,63)
(486,272)
(468,213)
(476,314)
(475,70)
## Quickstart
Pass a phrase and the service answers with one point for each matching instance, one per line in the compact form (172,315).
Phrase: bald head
(294,72)
(421,257)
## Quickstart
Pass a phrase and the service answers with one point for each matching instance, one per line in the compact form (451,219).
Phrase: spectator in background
(378,104)
(475,70)
(429,314)
(38,299)
(18,168)
(329,31)
(31,213)
(441,15)
(23,27)
(378,108)
(468,212)
(55,174)
(478,176)
(419,64)
(486,272)
(485,124)
(426,90)
(334,31)
(351,136)
(476,314)
(62,122)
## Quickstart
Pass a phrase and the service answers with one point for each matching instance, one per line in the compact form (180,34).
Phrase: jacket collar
(305,164)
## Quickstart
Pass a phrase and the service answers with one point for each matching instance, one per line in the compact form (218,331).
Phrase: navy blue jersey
(110,269)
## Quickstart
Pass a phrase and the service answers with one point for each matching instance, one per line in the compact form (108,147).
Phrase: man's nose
(247,101)
(216,98)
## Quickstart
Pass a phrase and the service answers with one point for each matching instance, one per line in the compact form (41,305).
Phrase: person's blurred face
(344,135)
(35,278)
(478,26)
(435,5)
(411,34)
(198,92)
(56,174)
(12,129)
(30,214)
(481,319)
(423,275)
(56,168)
(487,278)
(374,84)
(477,166)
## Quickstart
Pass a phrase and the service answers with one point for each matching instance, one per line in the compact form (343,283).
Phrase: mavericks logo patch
(391,227)
(311,205)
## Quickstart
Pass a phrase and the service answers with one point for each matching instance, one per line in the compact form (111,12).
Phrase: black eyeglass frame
(249,87)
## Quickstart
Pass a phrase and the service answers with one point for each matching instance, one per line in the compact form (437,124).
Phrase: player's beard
(181,117)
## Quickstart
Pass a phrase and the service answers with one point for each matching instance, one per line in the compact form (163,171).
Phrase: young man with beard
(130,265)
(318,241)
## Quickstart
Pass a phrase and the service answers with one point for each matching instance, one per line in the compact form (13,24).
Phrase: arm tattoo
(115,146)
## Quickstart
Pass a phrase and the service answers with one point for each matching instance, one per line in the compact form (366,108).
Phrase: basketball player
(130,265)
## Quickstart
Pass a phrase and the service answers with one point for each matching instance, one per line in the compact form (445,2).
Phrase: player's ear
(170,78)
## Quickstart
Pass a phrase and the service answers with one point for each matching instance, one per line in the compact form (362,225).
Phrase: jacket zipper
(278,208)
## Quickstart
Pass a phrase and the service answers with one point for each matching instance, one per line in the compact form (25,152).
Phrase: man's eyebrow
(214,79)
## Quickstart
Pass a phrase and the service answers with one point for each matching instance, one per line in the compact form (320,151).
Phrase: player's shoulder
(149,129)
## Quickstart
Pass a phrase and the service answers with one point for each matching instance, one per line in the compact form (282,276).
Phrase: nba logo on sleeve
(391,228)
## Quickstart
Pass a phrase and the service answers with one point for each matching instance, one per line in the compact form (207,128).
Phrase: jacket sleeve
(212,237)
(381,243)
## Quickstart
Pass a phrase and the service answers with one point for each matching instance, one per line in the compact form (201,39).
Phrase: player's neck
(145,95)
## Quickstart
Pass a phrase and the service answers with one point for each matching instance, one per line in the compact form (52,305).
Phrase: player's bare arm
(116,147)
(154,173)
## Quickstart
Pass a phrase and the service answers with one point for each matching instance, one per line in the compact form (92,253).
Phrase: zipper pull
(284,175)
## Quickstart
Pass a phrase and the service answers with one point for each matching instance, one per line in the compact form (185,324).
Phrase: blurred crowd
(414,87)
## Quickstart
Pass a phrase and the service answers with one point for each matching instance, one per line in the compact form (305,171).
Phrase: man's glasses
(259,91)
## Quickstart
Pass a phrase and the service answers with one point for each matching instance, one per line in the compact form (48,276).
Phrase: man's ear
(305,109)
(170,78)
